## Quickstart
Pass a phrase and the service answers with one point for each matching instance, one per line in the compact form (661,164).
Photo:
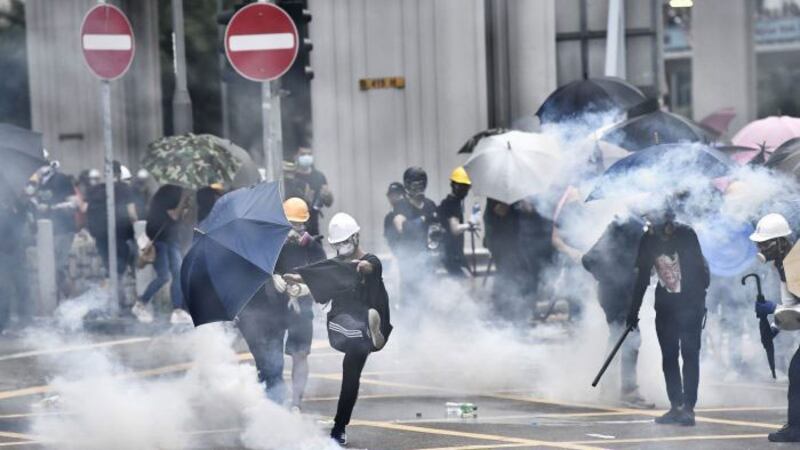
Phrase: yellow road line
(74,348)
(463,434)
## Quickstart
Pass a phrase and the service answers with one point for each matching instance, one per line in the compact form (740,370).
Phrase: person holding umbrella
(672,249)
(773,236)
(358,321)
(451,216)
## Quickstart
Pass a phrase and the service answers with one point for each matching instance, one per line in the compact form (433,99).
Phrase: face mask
(460,191)
(305,160)
(771,250)
(346,248)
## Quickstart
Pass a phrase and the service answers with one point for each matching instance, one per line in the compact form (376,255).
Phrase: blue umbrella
(234,252)
(669,160)
(726,246)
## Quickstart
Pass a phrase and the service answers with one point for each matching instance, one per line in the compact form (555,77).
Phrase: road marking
(454,433)
(73,348)
(20,443)
(477,447)
(671,439)
(601,436)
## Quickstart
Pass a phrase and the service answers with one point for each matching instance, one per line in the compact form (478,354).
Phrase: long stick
(611,356)
(474,256)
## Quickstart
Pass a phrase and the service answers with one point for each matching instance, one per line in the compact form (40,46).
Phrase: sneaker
(340,437)
(788,433)
(686,418)
(374,319)
(635,400)
(142,312)
(180,317)
(671,417)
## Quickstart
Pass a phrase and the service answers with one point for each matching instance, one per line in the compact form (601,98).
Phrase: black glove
(633,320)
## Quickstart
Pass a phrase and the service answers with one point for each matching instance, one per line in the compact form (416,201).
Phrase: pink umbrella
(719,120)
(768,133)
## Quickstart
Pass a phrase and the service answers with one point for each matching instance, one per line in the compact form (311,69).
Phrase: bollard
(146,274)
(46,267)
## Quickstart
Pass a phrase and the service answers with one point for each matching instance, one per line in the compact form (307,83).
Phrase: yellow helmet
(296,210)
(459,175)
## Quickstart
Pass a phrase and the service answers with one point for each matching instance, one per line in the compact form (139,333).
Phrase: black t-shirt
(96,215)
(292,256)
(370,294)
(414,238)
(314,180)
(58,189)
(390,232)
(452,207)
(160,226)
(680,266)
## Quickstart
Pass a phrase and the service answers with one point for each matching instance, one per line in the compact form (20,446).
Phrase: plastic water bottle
(476,213)
(461,410)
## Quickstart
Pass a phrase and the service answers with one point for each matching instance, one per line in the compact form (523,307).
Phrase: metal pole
(181,102)
(615,40)
(276,130)
(266,100)
(110,200)
(223,85)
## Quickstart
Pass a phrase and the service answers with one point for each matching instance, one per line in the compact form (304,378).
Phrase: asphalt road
(397,409)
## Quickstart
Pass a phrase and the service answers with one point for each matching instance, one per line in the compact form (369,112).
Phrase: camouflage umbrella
(191,161)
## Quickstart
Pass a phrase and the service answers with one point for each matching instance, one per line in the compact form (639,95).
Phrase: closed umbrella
(234,252)
(511,166)
(587,96)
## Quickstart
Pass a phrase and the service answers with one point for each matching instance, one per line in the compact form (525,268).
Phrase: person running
(360,317)
(672,249)
(167,209)
(299,250)
(773,237)
(451,216)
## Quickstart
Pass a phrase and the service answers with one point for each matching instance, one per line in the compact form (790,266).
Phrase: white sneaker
(180,317)
(142,312)
(374,319)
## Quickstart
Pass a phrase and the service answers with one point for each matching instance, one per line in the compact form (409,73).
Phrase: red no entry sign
(107,41)
(261,42)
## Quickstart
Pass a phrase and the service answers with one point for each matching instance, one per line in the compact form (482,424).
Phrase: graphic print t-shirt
(668,269)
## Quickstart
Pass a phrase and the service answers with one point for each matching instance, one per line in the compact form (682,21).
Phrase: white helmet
(341,227)
(771,226)
(125,173)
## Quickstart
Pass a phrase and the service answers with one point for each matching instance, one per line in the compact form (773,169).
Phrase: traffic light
(296,82)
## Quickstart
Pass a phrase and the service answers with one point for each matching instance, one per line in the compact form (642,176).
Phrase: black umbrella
(687,159)
(22,140)
(657,127)
(234,252)
(591,95)
(469,146)
(786,158)
(764,327)
(16,169)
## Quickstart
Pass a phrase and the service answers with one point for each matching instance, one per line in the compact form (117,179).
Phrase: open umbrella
(657,127)
(719,120)
(234,252)
(591,95)
(191,161)
(654,169)
(786,158)
(15,170)
(469,146)
(23,140)
(511,166)
(768,133)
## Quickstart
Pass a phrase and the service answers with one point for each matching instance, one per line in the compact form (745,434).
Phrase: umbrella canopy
(191,161)
(23,140)
(511,166)
(247,174)
(768,133)
(592,95)
(654,169)
(719,120)
(16,169)
(657,127)
(786,158)
(727,246)
(743,155)
(469,146)
(234,252)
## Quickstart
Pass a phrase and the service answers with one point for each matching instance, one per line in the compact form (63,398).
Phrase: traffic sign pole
(108,140)
(276,132)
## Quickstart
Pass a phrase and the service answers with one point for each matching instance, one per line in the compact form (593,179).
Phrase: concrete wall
(365,139)
(65,96)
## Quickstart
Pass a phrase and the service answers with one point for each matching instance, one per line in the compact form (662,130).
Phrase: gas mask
(298,235)
(305,161)
(347,247)
(773,249)
(460,191)
(416,190)
(662,224)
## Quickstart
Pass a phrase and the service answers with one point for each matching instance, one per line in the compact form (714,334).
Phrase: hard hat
(459,175)
(125,173)
(296,210)
(217,187)
(142,174)
(94,173)
(415,175)
(769,227)
(341,227)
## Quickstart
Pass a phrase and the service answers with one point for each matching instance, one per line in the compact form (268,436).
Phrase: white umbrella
(511,166)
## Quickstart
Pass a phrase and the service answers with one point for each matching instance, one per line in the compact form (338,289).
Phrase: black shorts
(300,333)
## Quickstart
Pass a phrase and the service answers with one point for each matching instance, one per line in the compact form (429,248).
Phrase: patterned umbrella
(191,161)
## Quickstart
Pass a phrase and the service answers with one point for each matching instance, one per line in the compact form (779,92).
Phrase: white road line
(73,348)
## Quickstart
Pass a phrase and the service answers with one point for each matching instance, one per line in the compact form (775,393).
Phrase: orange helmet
(296,210)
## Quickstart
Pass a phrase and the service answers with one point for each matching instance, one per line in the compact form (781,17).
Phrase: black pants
(679,333)
(794,390)
(352,365)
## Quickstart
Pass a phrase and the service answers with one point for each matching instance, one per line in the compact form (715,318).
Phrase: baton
(611,355)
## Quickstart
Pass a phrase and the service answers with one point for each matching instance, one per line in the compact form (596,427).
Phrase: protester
(672,249)
(773,236)
(317,193)
(395,194)
(536,251)
(292,187)
(125,216)
(611,261)
(501,238)
(416,221)
(163,228)
(56,198)
(451,216)
(16,236)
(358,319)
(206,197)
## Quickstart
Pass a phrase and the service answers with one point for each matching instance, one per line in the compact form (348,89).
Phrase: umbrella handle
(758,284)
